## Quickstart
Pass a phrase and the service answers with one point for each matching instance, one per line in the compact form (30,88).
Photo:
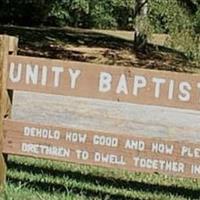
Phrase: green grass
(42,180)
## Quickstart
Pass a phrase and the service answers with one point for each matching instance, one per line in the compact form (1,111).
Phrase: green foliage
(78,13)
(107,14)
(57,15)
(180,19)
(188,42)
(123,13)
(174,18)
(101,15)
(168,16)
(165,16)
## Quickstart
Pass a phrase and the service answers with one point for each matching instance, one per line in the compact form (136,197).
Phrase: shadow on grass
(43,37)
(59,188)
(59,43)
(95,180)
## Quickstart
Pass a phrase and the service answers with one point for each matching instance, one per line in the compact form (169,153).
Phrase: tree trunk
(140,11)
(141,8)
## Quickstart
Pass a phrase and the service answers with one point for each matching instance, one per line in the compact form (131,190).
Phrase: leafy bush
(168,16)
(182,26)
(101,15)
(187,42)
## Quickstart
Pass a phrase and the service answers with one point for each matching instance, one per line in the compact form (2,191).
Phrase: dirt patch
(101,47)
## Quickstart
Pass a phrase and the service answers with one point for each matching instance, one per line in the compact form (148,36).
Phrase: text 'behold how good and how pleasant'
(112,150)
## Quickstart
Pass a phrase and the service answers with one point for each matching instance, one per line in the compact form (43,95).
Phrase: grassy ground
(38,179)
(31,179)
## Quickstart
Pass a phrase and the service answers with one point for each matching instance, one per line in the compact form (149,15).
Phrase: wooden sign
(123,151)
(104,82)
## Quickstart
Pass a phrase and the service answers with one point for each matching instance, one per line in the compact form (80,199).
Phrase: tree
(140,15)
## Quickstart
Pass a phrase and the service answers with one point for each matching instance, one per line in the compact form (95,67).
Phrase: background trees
(164,16)
(180,19)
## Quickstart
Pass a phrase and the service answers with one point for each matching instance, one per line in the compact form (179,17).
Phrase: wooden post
(13,47)
(6,46)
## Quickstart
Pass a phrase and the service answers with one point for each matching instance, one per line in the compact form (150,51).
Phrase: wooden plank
(4,47)
(122,151)
(104,82)
(107,116)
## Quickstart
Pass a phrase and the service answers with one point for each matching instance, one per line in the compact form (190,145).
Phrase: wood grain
(184,92)
(4,47)
(13,47)
(107,116)
(180,158)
